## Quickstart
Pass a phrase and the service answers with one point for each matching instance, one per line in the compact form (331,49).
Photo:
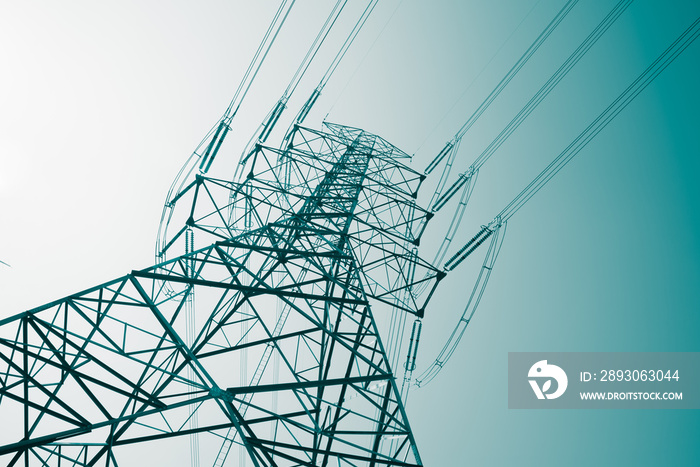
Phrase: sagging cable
(334,64)
(477,293)
(497,90)
(605,117)
(276,112)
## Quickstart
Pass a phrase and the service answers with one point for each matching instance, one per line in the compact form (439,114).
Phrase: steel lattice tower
(290,266)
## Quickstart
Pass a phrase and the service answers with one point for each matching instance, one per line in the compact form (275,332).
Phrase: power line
(456,101)
(466,180)
(266,44)
(439,201)
(597,125)
(348,42)
(316,45)
(450,150)
(359,65)
(470,308)
(268,124)
(304,111)
(585,137)
(492,230)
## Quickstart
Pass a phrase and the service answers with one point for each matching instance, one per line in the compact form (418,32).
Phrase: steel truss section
(289,264)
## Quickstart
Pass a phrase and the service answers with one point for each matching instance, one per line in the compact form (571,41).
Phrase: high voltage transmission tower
(318,231)
(287,265)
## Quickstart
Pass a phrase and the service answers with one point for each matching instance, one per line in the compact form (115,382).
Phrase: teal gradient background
(100,104)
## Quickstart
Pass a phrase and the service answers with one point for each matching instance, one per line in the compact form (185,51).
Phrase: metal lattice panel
(297,254)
